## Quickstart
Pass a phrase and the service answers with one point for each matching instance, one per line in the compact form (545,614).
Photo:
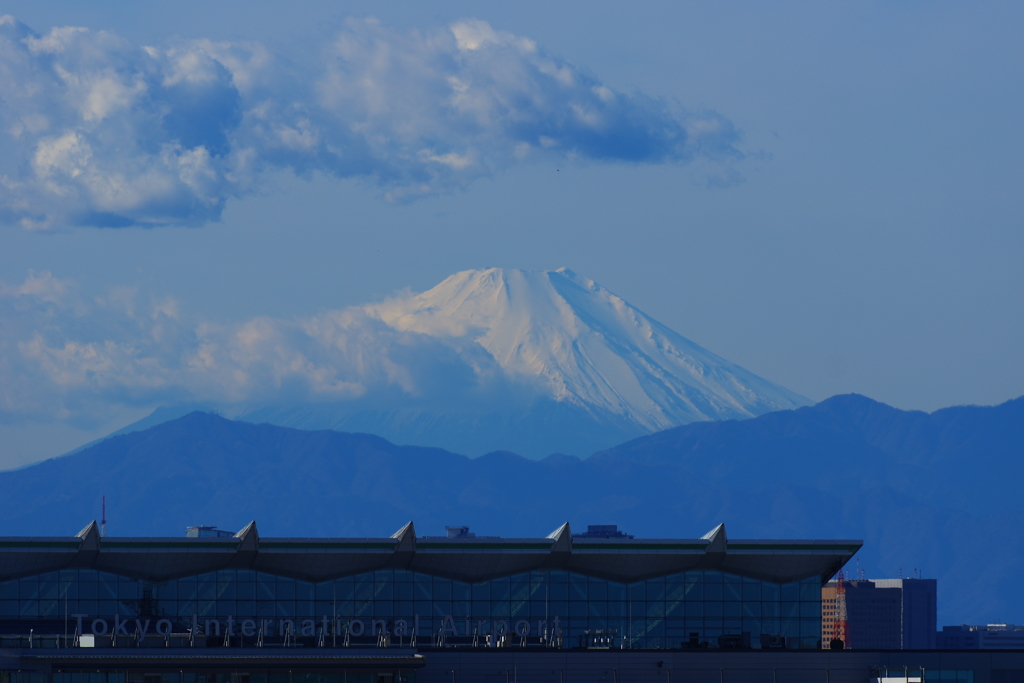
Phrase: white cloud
(69,359)
(97,131)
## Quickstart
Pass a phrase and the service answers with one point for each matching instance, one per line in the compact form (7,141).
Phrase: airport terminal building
(245,609)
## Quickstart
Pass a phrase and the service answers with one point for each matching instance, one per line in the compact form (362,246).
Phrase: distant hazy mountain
(557,364)
(934,492)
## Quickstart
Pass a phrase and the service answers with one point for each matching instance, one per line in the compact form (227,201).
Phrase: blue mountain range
(936,494)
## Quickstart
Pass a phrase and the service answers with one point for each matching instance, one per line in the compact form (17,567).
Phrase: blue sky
(827,194)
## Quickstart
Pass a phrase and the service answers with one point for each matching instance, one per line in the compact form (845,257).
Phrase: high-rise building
(883,614)
(985,637)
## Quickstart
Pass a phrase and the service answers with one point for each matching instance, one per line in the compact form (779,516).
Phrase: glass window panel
(283,590)
(694,591)
(790,628)
(47,590)
(712,577)
(481,591)
(422,591)
(712,591)
(732,591)
(8,608)
(810,609)
(108,589)
(28,589)
(810,590)
(655,590)
(443,589)
(791,592)
(558,591)
(28,608)
(520,591)
(226,590)
(206,608)
(810,628)
(187,590)
(128,591)
(752,609)
(245,591)
(712,609)
(752,591)
(790,610)
(771,609)
(384,591)
(109,607)
(500,590)
(637,592)
(771,591)
(403,591)
(616,608)
(9,590)
(616,591)
(695,609)
(461,591)
(732,609)
(245,608)
(304,590)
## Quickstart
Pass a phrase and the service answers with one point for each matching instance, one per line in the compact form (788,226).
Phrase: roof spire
(716,539)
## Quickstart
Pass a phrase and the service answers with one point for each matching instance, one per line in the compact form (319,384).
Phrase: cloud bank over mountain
(97,131)
(488,359)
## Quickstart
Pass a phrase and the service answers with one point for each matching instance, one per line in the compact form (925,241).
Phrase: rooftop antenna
(103,519)
(842,622)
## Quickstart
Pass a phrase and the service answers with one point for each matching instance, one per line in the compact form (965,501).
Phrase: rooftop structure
(207,532)
(462,558)
(602,531)
(982,637)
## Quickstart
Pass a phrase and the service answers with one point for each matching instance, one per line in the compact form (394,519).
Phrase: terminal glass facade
(657,613)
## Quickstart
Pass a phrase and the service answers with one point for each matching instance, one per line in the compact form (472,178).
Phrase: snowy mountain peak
(582,345)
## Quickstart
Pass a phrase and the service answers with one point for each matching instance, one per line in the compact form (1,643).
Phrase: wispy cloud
(65,357)
(97,131)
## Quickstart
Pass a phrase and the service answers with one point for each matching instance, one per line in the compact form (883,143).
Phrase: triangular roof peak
(248,537)
(562,537)
(406,537)
(716,539)
(90,536)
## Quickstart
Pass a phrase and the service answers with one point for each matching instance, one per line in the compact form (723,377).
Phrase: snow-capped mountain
(558,363)
(580,344)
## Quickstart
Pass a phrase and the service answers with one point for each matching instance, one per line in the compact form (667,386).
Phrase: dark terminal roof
(463,559)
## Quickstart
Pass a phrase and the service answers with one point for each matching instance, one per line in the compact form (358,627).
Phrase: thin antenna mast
(842,620)
(103,519)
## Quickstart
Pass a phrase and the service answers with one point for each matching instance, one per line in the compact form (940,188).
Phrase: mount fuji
(530,362)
